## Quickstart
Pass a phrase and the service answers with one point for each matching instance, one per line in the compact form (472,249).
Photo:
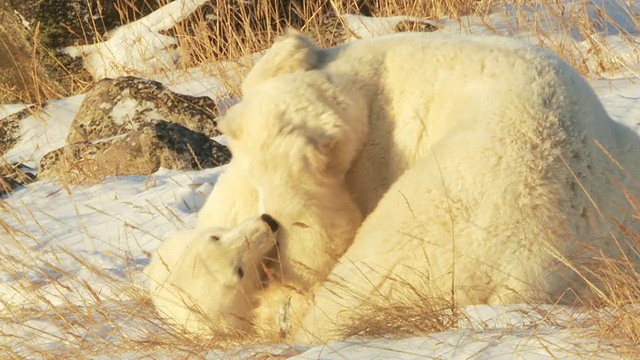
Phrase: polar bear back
(455,229)
(507,182)
(417,88)
(422,87)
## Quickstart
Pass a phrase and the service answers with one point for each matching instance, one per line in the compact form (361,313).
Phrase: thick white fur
(295,147)
(508,185)
(194,277)
(290,54)
(232,200)
(315,89)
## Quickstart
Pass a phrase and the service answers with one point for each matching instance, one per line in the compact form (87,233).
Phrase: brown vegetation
(98,325)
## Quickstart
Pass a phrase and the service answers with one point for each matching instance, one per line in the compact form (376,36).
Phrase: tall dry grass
(93,324)
(231,30)
(22,76)
(577,32)
(57,303)
(616,305)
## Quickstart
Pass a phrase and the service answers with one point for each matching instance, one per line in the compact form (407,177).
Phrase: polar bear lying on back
(507,182)
(206,280)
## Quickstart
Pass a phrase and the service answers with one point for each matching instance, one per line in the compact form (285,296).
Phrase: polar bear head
(212,275)
(293,107)
(295,137)
(302,120)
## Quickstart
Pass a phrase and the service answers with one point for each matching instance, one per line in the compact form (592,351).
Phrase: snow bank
(137,48)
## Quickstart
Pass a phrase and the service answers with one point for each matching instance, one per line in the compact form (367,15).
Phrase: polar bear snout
(271,222)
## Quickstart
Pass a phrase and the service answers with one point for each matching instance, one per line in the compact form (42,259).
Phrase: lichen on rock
(140,152)
(116,106)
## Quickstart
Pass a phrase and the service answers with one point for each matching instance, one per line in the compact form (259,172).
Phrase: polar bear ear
(322,156)
(291,53)
(318,154)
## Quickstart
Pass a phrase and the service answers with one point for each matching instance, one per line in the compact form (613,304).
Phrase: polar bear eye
(240,272)
(214,238)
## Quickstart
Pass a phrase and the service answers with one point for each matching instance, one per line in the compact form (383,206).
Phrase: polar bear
(392,140)
(297,167)
(378,142)
(205,280)
(232,200)
(391,81)
(518,185)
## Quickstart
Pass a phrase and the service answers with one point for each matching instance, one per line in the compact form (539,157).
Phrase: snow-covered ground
(79,247)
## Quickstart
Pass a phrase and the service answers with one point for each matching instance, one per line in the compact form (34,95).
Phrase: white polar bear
(232,200)
(389,139)
(295,149)
(338,99)
(206,280)
(513,193)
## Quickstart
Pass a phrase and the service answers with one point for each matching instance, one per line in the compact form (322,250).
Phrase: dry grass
(22,76)
(95,324)
(557,26)
(230,30)
(57,303)
(616,306)
(415,313)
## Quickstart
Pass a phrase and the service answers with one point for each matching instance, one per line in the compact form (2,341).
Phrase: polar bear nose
(271,222)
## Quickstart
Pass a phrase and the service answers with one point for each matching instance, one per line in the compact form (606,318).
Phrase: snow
(463,344)
(77,246)
(24,21)
(43,131)
(363,26)
(613,29)
(7,110)
(137,47)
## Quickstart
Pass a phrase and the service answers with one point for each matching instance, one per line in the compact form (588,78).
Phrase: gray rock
(141,152)
(14,175)
(156,144)
(116,106)
(10,128)
(416,26)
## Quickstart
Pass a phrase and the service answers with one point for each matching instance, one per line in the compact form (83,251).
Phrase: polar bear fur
(513,190)
(389,79)
(232,200)
(297,165)
(206,279)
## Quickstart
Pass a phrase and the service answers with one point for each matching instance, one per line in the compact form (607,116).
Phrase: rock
(14,175)
(177,147)
(416,26)
(156,144)
(134,126)
(10,128)
(116,106)
(63,22)
(9,132)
